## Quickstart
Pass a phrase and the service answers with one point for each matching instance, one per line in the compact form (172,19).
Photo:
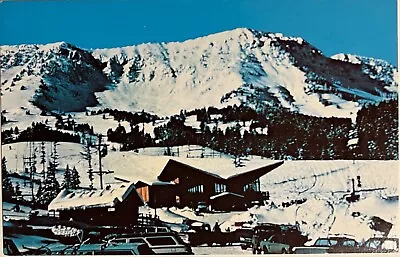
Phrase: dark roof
(252,174)
(169,172)
(174,168)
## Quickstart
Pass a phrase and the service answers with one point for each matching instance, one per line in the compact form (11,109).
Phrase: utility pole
(102,152)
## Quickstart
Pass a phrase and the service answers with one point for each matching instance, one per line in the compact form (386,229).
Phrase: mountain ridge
(241,66)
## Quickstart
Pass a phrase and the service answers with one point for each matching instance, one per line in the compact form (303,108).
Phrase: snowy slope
(232,67)
(375,68)
(55,77)
(241,65)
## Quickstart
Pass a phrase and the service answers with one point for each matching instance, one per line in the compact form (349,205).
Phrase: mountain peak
(240,66)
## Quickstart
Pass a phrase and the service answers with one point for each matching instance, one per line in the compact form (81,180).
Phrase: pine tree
(50,187)
(17,190)
(8,190)
(55,155)
(66,184)
(43,158)
(75,181)
(87,155)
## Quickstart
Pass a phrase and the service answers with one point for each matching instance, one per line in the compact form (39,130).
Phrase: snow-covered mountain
(239,66)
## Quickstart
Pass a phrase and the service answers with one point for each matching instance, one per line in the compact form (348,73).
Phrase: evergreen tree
(50,187)
(55,156)
(8,190)
(75,181)
(87,155)
(43,157)
(66,184)
(17,190)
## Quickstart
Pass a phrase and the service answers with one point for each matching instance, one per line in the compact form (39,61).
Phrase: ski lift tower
(102,152)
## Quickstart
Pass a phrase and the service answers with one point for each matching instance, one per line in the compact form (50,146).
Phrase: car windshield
(326,242)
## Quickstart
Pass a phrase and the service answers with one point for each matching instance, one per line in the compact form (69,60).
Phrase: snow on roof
(224,194)
(134,167)
(83,198)
(160,183)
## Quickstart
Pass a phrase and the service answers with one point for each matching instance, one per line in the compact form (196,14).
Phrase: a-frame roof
(174,169)
(247,177)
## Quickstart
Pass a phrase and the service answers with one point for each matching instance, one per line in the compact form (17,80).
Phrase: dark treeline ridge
(37,132)
(274,133)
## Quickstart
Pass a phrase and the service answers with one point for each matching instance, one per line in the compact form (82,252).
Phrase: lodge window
(196,189)
(253,186)
(219,188)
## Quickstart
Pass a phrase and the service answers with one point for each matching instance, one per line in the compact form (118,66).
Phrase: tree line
(274,133)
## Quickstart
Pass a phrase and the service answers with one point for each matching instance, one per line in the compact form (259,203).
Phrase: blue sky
(364,27)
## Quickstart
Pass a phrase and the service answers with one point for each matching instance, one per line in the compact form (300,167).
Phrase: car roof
(267,226)
(384,238)
(336,238)
(95,247)
(142,234)
(152,234)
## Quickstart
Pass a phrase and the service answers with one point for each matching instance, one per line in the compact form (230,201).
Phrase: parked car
(200,233)
(261,232)
(380,245)
(245,237)
(161,243)
(334,244)
(103,249)
(202,207)
(275,244)
(197,233)
(266,230)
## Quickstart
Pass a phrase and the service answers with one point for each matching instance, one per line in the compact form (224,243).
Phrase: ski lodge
(166,182)
(116,205)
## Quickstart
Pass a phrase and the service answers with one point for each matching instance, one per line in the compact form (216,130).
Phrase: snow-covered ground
(197,73)
(324,185)
(100,124)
